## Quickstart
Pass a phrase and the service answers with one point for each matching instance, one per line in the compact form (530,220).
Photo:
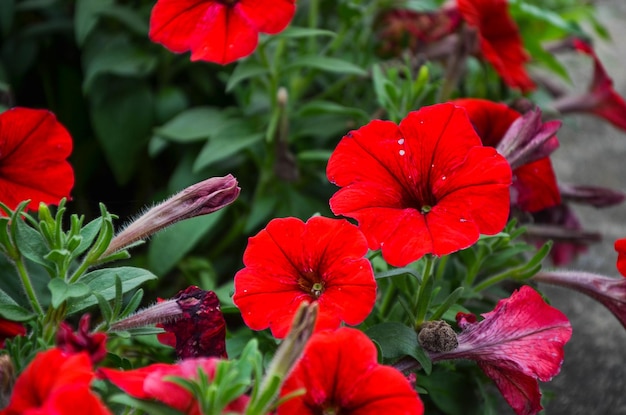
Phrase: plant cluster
(363,204)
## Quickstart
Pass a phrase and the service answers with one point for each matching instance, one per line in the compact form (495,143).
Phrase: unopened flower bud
(165,311)
(437,336)
(7,378)
(199,199)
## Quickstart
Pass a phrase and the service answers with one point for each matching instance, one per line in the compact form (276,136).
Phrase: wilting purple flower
(199,199)
(598,197)
(601,99)
(611,292)
(529,139)
(82,340)
(519,342)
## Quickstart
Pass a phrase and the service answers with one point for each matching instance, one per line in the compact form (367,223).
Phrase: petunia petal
(34,147)
(267,16)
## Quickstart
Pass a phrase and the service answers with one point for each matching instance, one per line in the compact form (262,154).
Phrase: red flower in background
(534,184)
(290,261)
(620,247)
(152,382)
(601,100)
(10,329)
(500,41)
(424,186)
(34,147)
(519,342)
(220,31)
(341,375)
(56,383)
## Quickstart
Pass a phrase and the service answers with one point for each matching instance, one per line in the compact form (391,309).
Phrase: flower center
(312,284)
(228,3)
(426,208)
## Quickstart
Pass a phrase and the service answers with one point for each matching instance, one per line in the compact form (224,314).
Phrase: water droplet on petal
(401,152)
(401,141)
(443,177)
(462,220)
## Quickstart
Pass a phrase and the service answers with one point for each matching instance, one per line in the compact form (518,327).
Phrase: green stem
(80,271)
(389,296)
(425,291)
(28,286)
(488,282)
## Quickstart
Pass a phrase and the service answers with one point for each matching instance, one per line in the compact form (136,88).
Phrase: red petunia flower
(519,342)
(620,247)
(153,382)
(220,31)
(82,341)
(34,147)
(290,261)
(56,383)
(611,292)
(601,100)
(424,186)
(340,373)
(10,329)
(534,184)
(500,41)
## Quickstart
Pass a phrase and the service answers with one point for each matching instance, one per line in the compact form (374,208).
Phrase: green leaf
(31,244)
(245,69)
(397,340)
(117,56)
(62,291)
(86,17)
(326,107)
(88,234)
(10,310)
(149,407)
(325,63)
(193,124)
(122,114)
(171,245)
(229,140)
(102,281)
(128,17)
(7,12)
(293,32)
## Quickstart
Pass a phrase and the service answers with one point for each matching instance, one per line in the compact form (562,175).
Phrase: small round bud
(437,336)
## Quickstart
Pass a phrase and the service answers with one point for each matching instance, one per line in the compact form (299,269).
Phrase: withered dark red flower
(534,184)
(220,31)
(340,372)
(34,148)
(56,383)
(424,186)
(500,41)
(154,382)
(290,262)
(519,342)
(201,330)
(601,99)
(94,344)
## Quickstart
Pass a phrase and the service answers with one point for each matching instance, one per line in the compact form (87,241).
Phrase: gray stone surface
(593,379)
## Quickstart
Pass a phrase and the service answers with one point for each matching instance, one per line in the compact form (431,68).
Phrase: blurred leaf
(194,124)
(171,245)
(117,57)
(127,16)
(86,16)
(102,281)
(225,142)
(248,68)
(327,107)
(152,408)
(122,114)
(7,12)
(325,63)
(293,32)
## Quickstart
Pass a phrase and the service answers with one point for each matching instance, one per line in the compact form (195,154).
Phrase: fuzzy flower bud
(199,199)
